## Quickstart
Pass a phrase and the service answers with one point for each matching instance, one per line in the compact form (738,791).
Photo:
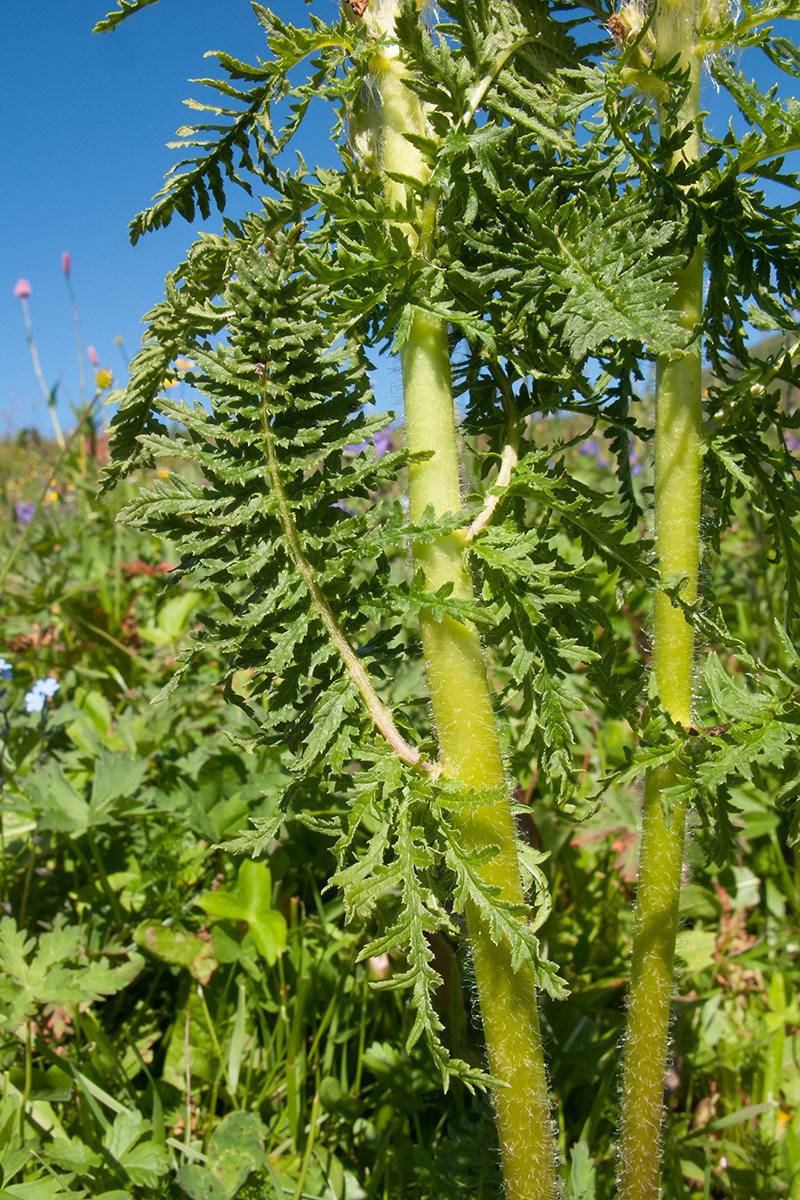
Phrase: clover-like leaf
(251,902)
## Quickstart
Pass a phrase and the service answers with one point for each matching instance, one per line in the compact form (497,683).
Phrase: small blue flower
(25,510)
(43,689)
(6,669)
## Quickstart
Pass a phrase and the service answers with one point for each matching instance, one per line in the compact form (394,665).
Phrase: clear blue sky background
(84,123)
(85,118)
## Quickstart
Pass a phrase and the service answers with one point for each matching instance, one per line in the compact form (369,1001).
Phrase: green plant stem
(470,752)
(50,396)
(462,706)
(312,1132)
(76,321)
(26,1087)
(111,895)
(678,482)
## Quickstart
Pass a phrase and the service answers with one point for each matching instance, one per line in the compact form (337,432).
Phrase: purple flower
(25,510)
(382,441)
(351,512)
(42,690)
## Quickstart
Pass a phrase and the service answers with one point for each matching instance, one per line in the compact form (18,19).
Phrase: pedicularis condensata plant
(531,208)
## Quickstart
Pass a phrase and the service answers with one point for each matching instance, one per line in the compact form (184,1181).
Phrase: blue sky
(84,123)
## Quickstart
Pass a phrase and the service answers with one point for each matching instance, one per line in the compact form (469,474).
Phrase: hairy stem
(470,751)
(678,482)
(460,695)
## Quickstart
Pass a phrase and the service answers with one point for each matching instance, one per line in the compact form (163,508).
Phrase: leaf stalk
(377,710)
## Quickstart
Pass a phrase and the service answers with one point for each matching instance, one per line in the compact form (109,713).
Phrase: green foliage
(241,142)
(124,9)
(235,1151)
(54,969)
(554,253)
(107,1046)
(251,903)
(258,1040)
(385,1117)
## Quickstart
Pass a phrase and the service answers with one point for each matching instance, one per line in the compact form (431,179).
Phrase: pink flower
(93,356)
(22,289)
(66,262)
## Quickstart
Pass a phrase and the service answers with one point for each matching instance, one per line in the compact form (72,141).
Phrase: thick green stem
(678,480)
(462,706)
(470,752)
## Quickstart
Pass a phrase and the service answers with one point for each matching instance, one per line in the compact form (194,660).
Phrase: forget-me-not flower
(43,689)
(6,669)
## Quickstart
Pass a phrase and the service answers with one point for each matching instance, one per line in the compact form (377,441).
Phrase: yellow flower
(104,378)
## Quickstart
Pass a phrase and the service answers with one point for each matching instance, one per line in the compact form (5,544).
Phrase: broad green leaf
(173,618)
(224,905)
(236,1149)
(44,1188)
(116,774)
(251,902)
(200,1183)
(71,1154)
(178,946)
(57,801)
